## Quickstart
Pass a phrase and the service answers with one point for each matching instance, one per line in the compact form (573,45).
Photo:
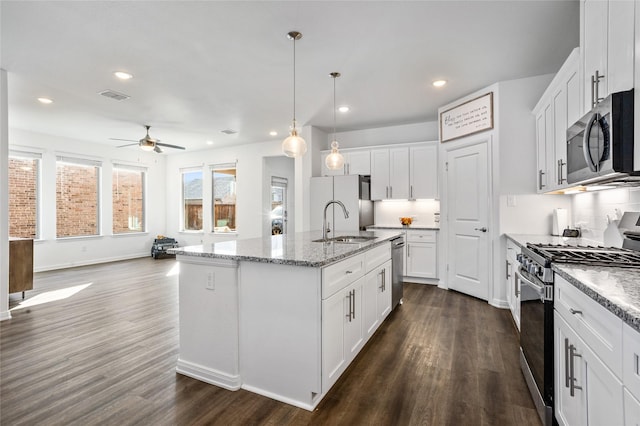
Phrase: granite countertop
(297,249)
(617,289)
(523,239)
(400,227)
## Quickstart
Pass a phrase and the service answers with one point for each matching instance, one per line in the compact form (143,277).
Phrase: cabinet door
(369,301)
(353,323)
(569,410)
(421,260)
(380,174)
(399,173)
(384,291)
(558,145)
(594,47)
(541,152)
(631,410)
(620,45)
(358,163)
(334,362)
(423,172)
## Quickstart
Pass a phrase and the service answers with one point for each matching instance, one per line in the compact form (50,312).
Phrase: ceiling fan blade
(169,145)
(129,144)
(126,140)
(158,149)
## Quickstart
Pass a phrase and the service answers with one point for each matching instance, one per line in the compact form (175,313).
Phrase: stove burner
(588,255)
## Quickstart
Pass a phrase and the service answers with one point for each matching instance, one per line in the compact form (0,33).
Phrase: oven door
(536,342)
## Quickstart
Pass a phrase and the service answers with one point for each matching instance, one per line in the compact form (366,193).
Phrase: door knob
(483,229)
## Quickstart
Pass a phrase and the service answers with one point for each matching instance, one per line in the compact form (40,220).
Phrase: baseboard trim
(90,262)
(286,400)
(5,315)
(209,375)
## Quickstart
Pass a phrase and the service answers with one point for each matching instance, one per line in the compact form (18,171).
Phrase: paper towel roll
(559,222)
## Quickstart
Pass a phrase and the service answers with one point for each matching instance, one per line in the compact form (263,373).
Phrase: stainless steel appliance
(536,309)
(600,146)
(397,263)
(353,191)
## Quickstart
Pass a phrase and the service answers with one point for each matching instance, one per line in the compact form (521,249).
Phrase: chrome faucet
(325,227)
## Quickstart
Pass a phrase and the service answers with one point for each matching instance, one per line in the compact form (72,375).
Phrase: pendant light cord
(334,107)
(294,82)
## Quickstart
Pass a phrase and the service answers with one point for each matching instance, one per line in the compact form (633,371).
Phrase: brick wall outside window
(76,200)
(128,201)
(23,197)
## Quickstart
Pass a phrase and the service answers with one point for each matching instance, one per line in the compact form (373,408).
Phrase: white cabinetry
(607,42)
(422,254)
(512,281)
(390,173)
(356,295)
(423,172)
(356,162)
(557,110)
(588,359)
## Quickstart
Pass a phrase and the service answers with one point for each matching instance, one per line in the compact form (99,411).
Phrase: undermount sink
(347,239)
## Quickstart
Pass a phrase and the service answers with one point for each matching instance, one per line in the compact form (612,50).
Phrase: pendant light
(335,160)
(294,145)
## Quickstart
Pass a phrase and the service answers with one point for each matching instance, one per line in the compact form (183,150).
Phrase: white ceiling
(204,66)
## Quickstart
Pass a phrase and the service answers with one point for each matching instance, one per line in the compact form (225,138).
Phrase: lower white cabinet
(376,297)
(512,281)
(421,254)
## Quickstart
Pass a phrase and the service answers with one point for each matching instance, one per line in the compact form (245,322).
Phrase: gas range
(537,258)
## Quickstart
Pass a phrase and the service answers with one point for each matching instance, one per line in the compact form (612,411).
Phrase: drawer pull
(636,364)
(574,311)
(349,272)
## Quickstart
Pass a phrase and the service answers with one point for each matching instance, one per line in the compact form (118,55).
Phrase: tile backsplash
(388,212)
(590,209)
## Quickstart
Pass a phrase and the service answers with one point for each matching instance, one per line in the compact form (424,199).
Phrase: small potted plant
(405,221)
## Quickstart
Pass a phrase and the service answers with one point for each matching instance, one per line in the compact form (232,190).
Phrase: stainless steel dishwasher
(397,263)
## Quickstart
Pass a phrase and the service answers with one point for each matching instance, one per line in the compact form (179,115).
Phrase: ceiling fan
(148,143)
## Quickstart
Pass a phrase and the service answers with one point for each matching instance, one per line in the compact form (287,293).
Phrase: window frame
(144,174)
(212,170)
(31,155)
(82,162)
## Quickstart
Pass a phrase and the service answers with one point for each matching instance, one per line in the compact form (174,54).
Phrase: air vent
(228,131)
(114,95)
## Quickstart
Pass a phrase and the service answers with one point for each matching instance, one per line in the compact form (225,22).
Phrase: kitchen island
(281,316)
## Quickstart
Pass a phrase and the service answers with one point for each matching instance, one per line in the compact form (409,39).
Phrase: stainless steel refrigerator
(353,191)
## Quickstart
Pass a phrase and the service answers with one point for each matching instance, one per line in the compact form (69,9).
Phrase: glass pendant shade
(294,145)
(335,160)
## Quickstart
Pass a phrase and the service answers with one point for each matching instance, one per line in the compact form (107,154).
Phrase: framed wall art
(473,116)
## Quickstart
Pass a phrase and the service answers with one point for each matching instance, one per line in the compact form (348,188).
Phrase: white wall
(590,209)
(388,212)
(52,253)
(406,133)
(4,200)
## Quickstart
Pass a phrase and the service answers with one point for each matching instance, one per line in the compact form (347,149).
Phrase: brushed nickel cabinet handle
(572,355)
(575,311)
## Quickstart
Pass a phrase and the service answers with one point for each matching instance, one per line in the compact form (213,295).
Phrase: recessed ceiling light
(209,142)
(273,133)
(343,108)
(123,75)
(45,100)
(229,131)
(439,83)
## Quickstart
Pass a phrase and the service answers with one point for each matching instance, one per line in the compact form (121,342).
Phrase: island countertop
(297,249)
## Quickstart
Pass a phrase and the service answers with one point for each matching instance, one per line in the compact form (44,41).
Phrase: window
(223,179)
(24,171)
(77,197)
(128,192)
(192,200)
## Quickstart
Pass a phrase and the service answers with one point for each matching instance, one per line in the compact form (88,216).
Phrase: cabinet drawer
(421,236)
(631,360)
(599,328)
(341,274)
(512,249)
(377,256)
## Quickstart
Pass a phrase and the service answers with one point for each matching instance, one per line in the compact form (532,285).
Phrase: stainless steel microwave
(600,146)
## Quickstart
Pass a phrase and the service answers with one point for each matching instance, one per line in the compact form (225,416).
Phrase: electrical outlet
(511,201)
(211,283)
(414,218)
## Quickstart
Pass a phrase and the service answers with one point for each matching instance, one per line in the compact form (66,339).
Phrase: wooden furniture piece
(20,265)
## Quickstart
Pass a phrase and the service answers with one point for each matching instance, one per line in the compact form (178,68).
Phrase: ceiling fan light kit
(294,145)
(148,143)
(335,160)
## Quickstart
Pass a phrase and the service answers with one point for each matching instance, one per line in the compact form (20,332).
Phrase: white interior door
(468,219)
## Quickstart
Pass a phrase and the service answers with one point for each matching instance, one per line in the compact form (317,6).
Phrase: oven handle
(538,289)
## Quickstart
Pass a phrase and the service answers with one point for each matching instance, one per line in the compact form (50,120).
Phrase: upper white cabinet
(607,42)
(423,172)
(406,172)
(556,111)
(390,173)
(356,162)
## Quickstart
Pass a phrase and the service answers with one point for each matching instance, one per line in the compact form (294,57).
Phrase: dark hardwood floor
(106,354)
